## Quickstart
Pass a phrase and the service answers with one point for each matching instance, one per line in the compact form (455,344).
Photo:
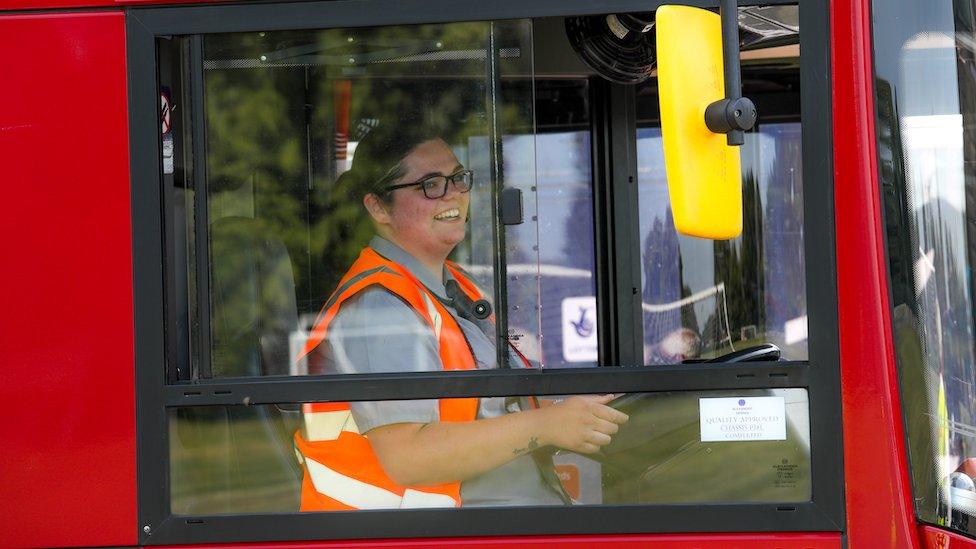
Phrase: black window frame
(614,189)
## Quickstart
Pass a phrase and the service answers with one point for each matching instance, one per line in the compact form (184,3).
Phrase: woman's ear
(377,209)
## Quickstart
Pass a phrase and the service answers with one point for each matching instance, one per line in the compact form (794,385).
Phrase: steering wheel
(767,352)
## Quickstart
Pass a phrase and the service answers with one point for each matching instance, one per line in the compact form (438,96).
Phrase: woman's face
(428,228)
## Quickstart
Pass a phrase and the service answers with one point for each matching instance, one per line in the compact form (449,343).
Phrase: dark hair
(378,158)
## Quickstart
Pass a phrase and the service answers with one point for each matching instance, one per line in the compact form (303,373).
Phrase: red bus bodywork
(68,464)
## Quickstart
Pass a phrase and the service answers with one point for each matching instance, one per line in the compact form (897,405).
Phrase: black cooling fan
(618,47)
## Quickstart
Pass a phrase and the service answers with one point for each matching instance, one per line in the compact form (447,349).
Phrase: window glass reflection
(703,298)
(315,147)
(677,447)
(566,252)
(925,93)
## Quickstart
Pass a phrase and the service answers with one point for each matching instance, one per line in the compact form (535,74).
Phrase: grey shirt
(375,331)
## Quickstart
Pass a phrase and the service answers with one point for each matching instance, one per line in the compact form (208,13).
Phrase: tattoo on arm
(532,445)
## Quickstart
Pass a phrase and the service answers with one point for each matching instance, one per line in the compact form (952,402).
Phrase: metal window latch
(511,206)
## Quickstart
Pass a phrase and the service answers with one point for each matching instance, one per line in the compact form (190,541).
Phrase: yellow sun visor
(704,172)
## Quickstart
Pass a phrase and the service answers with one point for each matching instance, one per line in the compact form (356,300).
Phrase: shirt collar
(398,255)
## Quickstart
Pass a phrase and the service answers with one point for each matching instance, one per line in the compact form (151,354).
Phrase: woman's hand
(581,424)
(446,451)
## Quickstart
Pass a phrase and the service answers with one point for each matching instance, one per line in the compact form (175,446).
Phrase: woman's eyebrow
(456,169)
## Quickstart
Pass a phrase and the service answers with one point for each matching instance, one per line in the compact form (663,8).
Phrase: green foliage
(272,111)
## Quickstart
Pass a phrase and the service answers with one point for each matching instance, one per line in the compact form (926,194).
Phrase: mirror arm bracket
(734,114)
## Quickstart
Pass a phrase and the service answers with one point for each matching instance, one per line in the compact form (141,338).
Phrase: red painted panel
(878,491)
(48,4)
(936,538)
(67,4)
(662,541)
(67,456)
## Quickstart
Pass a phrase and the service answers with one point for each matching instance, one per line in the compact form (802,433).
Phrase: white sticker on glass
(168,153)
(579,329)
(742,418)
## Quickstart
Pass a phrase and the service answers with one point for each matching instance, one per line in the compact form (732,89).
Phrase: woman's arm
(412,446)
(433,453)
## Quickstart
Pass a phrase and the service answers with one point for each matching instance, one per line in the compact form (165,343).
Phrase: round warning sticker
(165,112)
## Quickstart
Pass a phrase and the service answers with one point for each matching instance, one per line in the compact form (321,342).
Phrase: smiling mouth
(448,215)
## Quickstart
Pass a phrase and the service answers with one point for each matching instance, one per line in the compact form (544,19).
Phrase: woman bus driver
(391,313)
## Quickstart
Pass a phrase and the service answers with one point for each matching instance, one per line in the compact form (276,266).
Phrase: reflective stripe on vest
(341,470)
(435,317)
(321,425)
(349,491)
(361,495)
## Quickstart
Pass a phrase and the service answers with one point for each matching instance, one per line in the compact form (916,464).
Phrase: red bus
(181,201)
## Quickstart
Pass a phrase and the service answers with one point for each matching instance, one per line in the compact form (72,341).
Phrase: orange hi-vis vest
(340,469)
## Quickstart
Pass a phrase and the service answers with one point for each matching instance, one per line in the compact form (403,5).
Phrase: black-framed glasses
(435,186)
